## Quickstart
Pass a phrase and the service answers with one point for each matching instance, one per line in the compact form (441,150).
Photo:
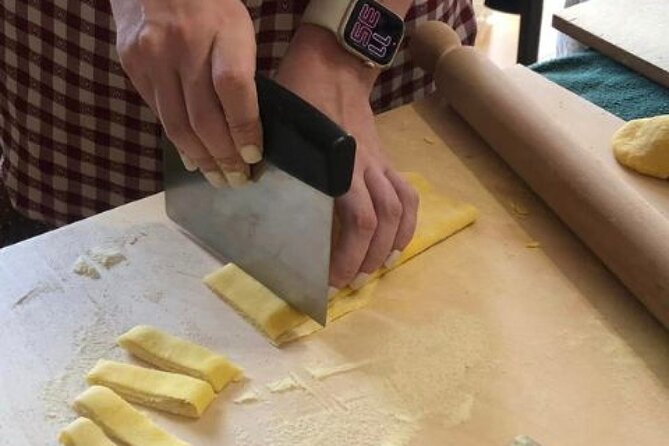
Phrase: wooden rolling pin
(626,232)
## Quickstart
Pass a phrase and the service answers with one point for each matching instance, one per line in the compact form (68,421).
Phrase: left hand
(377,216)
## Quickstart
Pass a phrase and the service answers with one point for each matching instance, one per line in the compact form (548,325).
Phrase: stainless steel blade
(277,229)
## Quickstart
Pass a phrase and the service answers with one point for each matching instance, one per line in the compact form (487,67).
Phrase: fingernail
(188,163)
(392,259)
(359,281)
(332,291)
(236,179)
(215,178)
(251,153)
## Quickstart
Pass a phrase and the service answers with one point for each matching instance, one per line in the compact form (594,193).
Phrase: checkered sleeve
(76,138)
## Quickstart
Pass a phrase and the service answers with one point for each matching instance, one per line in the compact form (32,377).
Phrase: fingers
(207,120)
(172,111)
(376,221)
(407,225)
(357,225)
(233,70)
(389,210)
(199,83)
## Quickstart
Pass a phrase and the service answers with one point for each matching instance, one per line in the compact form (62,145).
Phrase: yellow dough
(643,145)
(166,391)
(174,354)
(83,432)
(120,420)
(438,218)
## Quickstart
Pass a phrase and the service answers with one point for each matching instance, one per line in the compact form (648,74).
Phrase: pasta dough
(170,392)
(120,420)
(643,145)
(438,218)
(83,432)
(174,354)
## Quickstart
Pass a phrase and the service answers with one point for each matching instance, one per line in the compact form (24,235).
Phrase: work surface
(474,342)
(627,31)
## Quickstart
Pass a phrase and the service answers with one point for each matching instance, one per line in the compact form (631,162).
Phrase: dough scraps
(106,257)
(84,268)
(170,392)
(174,354)
(120,420)
(643,145)
(438,218)
(83,432)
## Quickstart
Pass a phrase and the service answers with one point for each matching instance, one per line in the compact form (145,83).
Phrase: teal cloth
(607,84)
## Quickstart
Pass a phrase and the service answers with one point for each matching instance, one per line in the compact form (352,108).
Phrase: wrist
(316,49)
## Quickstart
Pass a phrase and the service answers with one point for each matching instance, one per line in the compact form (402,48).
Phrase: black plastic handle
(302,141)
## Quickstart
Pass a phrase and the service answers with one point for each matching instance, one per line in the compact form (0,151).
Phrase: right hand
(194,64)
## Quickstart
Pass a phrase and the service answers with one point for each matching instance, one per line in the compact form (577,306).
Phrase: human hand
(376,219)
(194,65)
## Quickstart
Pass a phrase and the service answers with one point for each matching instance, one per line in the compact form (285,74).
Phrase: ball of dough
(643,145)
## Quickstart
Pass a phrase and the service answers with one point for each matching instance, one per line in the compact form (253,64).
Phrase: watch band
(326,13)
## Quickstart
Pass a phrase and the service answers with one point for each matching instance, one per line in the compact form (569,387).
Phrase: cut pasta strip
(120,421)
(174,354)
(83,432)
(166,391)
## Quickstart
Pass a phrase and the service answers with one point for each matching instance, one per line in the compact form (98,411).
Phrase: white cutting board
(476,341)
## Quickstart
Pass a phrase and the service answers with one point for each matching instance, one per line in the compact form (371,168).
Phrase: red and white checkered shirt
(76,138)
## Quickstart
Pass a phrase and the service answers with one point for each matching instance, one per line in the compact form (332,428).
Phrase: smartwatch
(364,28)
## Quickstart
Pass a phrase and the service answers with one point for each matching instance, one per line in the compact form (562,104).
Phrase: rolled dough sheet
(174,354)
(120,420)
(83,432)
(438,218)
(170,392)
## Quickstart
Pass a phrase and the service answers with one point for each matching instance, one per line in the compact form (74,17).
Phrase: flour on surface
(250,396)
(319,372)
(94,342)
(523,440)
(39,289)
(400,385)
(421,379)
(283,385)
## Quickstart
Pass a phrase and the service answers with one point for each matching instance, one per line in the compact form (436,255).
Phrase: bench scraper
(278,227)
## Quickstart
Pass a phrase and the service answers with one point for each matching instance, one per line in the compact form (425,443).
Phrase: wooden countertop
(474,342)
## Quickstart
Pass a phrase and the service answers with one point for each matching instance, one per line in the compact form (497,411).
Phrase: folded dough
(83,432)
(438,218)
(120,420)
(170,392)
(174,354)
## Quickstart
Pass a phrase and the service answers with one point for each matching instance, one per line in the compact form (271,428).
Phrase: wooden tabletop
(477,340)
(630,32)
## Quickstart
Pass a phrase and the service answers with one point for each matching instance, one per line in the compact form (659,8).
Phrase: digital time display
(374,31)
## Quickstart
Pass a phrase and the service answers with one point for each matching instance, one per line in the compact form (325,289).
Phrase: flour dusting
(405,381)
(94,342)
(283,385)
(250,396)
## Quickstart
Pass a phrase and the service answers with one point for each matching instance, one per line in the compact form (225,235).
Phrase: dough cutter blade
(278,227)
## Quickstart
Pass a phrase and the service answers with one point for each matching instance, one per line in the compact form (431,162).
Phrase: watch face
(373,31)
